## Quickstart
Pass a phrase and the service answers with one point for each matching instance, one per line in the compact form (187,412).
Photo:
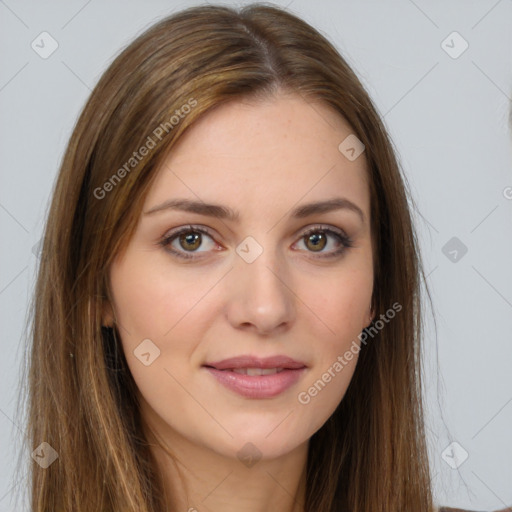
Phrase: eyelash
(346,242)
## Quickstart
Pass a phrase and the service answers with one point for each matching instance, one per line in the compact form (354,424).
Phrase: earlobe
(107,318)
(371,316)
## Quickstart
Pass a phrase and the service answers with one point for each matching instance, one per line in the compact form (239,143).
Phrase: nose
(260,296)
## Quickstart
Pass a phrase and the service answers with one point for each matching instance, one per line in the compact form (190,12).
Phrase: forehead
(282,150)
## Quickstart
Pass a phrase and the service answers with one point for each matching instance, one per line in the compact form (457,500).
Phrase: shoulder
(449,509)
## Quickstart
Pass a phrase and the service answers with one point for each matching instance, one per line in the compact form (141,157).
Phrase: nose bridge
(260,292)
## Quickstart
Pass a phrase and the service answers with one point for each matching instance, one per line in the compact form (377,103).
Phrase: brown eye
(316,241)
(190,241)
(326,242)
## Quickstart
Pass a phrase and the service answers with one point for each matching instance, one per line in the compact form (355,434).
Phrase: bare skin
(296,298)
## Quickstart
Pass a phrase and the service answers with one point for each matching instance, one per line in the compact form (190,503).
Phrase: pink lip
(257,386)
(256,362)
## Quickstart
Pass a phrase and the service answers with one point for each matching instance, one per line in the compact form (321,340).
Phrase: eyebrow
(223,212)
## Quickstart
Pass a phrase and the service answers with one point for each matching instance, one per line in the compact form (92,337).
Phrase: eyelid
(321,227)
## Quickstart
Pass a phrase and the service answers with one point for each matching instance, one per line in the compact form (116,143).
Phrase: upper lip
(247,361)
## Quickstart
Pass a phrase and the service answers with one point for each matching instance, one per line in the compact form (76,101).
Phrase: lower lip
(257,386)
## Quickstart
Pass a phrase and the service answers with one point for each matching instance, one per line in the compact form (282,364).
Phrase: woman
(206,336)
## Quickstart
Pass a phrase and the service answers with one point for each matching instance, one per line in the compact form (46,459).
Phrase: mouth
(251,365)
(257,378)
(253,371)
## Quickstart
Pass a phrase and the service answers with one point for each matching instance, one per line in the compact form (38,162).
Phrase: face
(257,275)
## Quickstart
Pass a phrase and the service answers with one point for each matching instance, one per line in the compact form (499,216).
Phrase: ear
(370,317)
(107,317)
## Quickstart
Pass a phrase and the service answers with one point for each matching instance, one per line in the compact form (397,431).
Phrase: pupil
(191,240)
(317,239)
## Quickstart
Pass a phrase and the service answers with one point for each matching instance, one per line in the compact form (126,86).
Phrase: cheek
(169,309)
(156,322)
(342,306)
(153,304)
(335,364)
(341,314)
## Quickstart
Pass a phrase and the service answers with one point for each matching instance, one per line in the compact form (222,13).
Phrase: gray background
(448,118)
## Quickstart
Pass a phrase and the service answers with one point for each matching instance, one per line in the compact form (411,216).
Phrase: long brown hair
(371,453)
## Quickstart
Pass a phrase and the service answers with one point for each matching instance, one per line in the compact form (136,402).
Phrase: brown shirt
(448,509)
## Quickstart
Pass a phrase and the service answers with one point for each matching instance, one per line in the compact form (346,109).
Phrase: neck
(196,478)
